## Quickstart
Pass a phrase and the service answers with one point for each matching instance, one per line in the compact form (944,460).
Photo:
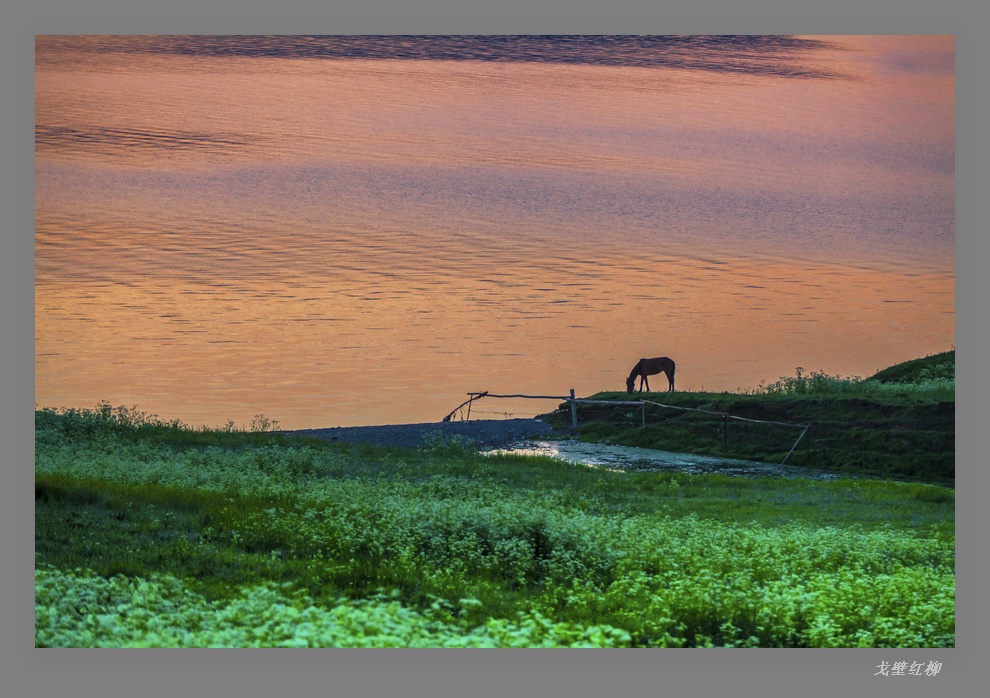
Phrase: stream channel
(635,459)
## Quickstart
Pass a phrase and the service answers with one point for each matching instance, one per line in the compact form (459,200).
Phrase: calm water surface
(360,230)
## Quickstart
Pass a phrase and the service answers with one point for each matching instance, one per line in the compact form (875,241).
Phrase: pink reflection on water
(357,242)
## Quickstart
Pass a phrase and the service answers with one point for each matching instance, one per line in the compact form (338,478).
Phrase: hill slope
(899,423)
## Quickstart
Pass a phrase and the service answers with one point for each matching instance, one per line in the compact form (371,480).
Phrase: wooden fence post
(573,410)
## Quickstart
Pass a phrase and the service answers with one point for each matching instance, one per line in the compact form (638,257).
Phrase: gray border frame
(27,671)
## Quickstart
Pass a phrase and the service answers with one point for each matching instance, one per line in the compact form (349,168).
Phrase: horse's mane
(635,370)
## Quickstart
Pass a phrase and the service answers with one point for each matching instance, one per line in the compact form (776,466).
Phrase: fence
(575,401)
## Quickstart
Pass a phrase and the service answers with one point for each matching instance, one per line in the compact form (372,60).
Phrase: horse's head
(630,383)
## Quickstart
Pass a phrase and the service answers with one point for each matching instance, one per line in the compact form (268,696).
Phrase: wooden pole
(573,410)
(795,444)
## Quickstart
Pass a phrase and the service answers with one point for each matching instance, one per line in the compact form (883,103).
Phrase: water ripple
(113,139)
(756,55)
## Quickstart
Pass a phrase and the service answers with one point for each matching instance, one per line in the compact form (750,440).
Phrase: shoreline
(483,433)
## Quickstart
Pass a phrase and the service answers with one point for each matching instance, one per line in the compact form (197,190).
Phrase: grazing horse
(650,367)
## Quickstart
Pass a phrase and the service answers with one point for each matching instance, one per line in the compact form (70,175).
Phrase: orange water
(363,241)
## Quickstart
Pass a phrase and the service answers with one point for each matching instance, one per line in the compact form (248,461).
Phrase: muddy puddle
(635,459)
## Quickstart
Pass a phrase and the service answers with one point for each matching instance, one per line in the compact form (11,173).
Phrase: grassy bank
(899,423)
(152,534)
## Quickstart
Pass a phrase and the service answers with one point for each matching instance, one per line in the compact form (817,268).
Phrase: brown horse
(650,367)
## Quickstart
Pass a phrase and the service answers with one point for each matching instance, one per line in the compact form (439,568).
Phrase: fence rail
(575,401)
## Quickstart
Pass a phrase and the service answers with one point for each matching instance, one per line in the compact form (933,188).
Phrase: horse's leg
(647,381)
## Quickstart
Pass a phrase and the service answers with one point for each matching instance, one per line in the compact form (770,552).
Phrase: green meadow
(155,533)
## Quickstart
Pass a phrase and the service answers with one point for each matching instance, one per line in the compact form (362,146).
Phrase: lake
(343,231)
